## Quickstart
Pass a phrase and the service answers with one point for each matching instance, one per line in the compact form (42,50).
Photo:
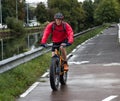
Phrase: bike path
(94,73)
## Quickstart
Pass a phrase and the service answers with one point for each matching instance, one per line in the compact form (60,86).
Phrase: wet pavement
(94,73)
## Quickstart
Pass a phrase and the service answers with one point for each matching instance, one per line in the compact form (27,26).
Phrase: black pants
(56,45)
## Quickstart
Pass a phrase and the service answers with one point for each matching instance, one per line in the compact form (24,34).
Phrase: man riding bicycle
(62,34)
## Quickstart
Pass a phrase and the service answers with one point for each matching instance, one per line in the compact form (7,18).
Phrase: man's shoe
(66,66)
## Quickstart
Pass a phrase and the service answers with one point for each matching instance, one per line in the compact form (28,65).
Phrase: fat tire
(54,77)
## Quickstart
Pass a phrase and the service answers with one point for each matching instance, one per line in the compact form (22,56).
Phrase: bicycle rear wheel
(63,77)
(54,73)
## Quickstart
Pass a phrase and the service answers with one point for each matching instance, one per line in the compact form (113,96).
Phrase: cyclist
(62,34)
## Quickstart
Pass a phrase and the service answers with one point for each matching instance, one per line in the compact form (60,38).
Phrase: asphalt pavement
(94,73)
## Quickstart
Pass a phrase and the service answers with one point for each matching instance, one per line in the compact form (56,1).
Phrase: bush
(16,26)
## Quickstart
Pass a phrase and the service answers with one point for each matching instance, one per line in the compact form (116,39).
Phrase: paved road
(94,73)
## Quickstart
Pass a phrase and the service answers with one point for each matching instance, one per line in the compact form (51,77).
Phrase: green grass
(14,82)
(17,80)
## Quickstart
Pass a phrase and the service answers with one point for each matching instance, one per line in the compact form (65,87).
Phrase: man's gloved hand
(43,45)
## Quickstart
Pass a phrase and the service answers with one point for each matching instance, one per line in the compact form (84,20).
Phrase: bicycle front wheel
(54,73)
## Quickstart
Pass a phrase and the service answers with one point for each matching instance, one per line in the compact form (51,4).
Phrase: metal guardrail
(78,34)
(14,61)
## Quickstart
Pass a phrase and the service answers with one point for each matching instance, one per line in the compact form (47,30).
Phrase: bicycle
(57,72)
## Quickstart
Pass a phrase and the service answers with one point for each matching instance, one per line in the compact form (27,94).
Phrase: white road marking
(74,50)
(110,98)
(82,62)
(112,64)
(119,33)
(99,53)
(30,89)
(45,74)
(33,86)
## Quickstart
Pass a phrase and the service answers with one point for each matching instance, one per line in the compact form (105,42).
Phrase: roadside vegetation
(80,15)
(16,81)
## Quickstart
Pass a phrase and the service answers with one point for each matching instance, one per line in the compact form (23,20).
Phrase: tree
(71,9)
(16,26)
(107,11)
(31,12)
(21,10)
(9,9)
(96,2)
(89,12)
(118,1)
(18,33)
(41,12)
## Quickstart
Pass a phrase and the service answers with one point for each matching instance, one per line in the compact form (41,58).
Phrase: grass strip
(17,80)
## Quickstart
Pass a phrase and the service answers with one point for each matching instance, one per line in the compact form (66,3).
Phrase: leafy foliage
(89,12)
(18,36)
(41,12)
(72,10)
(107,11)
(80,15)
(15,25)
(9,9)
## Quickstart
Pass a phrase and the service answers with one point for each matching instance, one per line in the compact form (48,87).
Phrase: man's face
(58,21)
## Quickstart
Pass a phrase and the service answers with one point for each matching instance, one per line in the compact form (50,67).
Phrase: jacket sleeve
(70,33)
(46,33)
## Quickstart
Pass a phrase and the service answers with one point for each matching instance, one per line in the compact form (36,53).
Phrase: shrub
(15,25)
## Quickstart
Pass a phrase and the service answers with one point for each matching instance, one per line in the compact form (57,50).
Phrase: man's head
(58,18)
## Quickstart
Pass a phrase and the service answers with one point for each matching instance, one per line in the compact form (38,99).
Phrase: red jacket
(58,34)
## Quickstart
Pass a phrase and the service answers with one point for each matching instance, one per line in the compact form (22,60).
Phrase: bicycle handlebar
(51,45)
